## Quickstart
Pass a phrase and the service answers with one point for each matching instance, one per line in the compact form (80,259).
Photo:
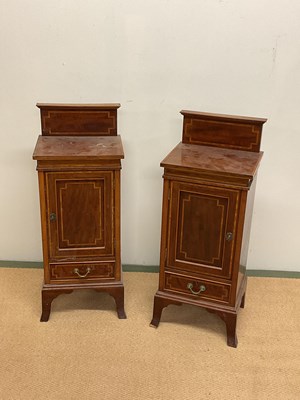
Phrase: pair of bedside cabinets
(208,192)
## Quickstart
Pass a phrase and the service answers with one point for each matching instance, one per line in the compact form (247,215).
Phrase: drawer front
(83,273)
(197,288)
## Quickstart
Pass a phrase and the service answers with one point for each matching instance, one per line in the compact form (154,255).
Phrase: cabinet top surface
(79,147)
(213,159)
(63,106)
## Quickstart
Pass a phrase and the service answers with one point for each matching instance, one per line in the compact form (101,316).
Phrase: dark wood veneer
(209,184)
(98,272)
(228,131)
(78,119)
(79,181)
(67,148)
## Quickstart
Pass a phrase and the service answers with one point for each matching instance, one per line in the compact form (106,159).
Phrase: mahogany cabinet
(78,162)
(209,185)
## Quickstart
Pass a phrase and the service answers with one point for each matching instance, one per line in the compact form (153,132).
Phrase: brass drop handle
(201,289)
(229,236)
(52,217)
(76,271)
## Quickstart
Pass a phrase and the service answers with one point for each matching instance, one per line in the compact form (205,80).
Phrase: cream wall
(155,57)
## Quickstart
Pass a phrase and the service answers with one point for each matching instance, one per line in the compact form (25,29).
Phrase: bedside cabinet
(209,185)
(78,162)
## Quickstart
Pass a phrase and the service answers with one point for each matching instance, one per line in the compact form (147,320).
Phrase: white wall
(155,57)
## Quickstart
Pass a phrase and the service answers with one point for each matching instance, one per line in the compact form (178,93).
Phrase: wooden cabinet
(79,161)
(209,185)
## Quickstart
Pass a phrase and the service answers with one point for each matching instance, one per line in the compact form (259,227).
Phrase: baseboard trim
(263,273)
(20,264)
(140,268)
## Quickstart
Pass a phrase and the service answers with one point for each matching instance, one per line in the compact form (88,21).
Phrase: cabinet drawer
(197,288)
(87,272)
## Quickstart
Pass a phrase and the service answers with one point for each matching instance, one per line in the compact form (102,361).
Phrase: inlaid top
(78,147)
(213,159)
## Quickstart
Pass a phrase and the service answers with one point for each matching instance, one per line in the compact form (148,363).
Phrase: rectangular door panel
(80,213)
(202,228)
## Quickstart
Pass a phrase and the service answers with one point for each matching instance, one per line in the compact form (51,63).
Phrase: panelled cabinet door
(80,214)
(202,226)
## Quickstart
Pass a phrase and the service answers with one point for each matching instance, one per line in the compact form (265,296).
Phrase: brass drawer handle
(201,289)
(76,271)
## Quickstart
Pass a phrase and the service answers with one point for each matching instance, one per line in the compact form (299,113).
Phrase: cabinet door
(80,214)
(202,228)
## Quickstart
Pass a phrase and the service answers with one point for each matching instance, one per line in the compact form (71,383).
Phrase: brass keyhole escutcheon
(229,236)
(52,217)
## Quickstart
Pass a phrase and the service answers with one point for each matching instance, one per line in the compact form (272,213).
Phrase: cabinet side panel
(164,231)
(247,230)
(44,228)
(116,218)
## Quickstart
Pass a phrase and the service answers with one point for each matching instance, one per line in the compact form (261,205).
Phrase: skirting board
(155,268)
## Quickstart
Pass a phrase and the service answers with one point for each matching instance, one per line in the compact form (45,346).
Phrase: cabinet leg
(157,310)
(230,322)
(47,297)
(243,301)
(118,295)
(159,304)
(231,330)
(46,308)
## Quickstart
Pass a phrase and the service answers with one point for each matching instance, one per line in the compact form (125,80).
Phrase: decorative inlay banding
(233,135)
(67,122)
(202,221)
(213,290)
(66,271)
(76,199)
